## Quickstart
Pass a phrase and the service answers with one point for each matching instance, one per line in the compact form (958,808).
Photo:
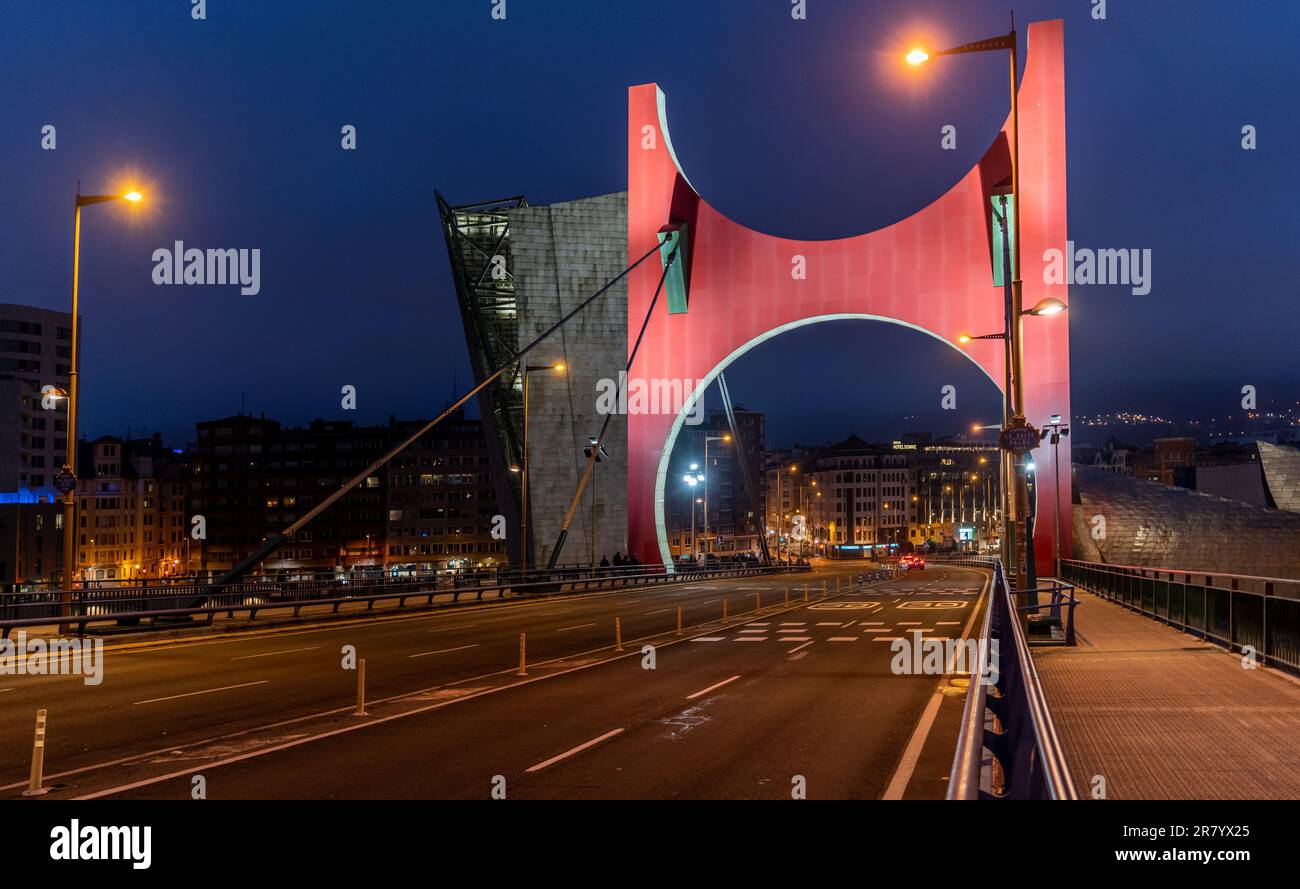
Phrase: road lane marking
(444,650)
(886,638)
(709,639)
(449,629)
(800,647)
(877,630)
(843,639)
(912,753)
(828,623)
(704,691)
(793,623)
(755,630)
(660,611)
(909,623)
(578,627)
(947,623)
(794,639)
(244,657)
(576,750)
(751,638)
(206,691)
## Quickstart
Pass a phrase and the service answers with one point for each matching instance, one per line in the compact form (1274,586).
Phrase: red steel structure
(932,271)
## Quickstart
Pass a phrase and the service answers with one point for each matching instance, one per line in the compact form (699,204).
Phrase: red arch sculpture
(931,271)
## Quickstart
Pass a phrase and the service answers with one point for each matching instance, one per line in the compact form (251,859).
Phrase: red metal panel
(931,271)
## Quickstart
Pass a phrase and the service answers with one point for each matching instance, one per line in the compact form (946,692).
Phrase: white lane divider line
(828,623)
(843,639)
(874,623)
(206,691)
(709,639)
(444,650)
(660,611)
(704,691)
(800,647)
(751,638)
(793,623)
(886,638)
(244,657)
(450,629)
(877,630)
(578,627)
(794,639)
(909,623)
(576,750)
(947,623)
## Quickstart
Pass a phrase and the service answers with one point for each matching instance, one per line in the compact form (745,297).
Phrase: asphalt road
(789,700)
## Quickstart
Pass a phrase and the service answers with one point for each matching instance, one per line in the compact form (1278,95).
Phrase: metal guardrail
(1235,611)
(132,606)
(1007,715)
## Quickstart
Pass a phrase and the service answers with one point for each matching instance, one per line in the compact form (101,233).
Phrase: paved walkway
(1162,715)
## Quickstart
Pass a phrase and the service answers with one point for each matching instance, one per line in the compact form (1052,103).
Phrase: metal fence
(150,606)
(1235,611)
(1014,726)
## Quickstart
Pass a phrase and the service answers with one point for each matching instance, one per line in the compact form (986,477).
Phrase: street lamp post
(707,439)
(1014,414)
(526,554)
(1057,430)
(68,475)
(693,478)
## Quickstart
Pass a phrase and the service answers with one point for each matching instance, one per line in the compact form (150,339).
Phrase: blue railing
(1012,728)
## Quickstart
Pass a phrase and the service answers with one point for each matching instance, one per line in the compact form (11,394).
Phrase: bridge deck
(1162,715)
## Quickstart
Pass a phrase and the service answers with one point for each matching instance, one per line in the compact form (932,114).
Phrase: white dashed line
(709,639)
(843,639)
(581,747)
(443,650)
(799,648)
(245,657)
(578,627)
(206,691)
(704,691)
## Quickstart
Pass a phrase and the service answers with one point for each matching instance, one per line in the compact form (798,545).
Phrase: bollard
(38,758)
(724,609)
(361,689)
(787,596)
(618,634)
(522,670)
(826,590)
(758,602)
(805,592)
(679,620)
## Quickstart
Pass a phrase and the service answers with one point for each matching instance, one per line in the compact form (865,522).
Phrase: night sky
(800,128)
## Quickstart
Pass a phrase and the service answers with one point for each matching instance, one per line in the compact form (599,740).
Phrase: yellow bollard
(361,689)
(805,592)
(618,634)
(679,620)
(34,787)
(787,596)
(522,671)
(758,602)
(724,609)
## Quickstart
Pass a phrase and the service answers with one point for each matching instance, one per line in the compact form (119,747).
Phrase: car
(911,563)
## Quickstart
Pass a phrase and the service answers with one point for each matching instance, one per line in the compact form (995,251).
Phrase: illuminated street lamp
(693,478)
(66,479)
(1014,414)
(523,520)
(705,479)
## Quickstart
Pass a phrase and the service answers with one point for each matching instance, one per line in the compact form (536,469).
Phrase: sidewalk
(1162,715)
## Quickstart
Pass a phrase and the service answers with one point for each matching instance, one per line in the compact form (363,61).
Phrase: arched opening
(979,403)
